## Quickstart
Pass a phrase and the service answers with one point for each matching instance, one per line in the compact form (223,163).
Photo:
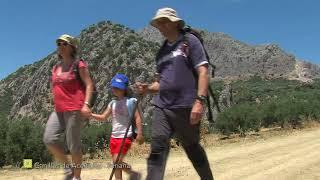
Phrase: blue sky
(29,27)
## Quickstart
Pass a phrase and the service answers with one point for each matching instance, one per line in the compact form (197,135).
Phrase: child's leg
(134,175)
(121,166)
(118,171)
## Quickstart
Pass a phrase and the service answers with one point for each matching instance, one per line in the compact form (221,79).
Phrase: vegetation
(259,103)
(22,140)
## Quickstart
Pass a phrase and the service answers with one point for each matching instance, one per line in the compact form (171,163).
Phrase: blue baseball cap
(120,81)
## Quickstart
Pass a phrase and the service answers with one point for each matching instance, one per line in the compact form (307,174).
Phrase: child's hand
(91,117)
(140,139)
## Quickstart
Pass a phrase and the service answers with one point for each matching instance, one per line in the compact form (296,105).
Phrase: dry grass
(272,153)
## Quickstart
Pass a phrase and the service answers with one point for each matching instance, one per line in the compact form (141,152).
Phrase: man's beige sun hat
(168,13)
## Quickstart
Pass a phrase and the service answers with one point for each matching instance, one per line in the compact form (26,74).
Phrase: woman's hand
(85,111)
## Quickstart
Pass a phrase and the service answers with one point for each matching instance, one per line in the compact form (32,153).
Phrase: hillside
(110,48)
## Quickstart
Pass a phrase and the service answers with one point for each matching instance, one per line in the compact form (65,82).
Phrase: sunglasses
(62,43)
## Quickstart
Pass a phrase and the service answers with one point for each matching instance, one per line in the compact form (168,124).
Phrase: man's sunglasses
(62,43)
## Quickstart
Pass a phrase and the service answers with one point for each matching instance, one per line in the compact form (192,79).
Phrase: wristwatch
(202,98)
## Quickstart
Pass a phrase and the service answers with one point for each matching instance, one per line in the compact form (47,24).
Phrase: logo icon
(27,163)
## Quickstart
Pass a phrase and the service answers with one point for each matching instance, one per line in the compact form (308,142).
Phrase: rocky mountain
(235,59)
(110,48)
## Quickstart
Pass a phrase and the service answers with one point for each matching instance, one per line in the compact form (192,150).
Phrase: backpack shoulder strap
(75,68)
(160,50)
(130,104)
(112,104)
(189,32)
(54,69)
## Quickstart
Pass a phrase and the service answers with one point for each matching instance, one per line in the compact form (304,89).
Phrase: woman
(71,95)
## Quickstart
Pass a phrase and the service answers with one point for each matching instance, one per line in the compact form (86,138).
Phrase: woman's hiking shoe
(68,173)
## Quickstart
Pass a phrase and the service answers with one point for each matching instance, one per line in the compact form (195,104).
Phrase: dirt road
(291,157)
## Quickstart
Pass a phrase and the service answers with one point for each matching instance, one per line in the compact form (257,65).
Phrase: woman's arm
(86,79)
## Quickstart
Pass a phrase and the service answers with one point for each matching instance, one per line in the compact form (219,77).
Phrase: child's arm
(103,116)
(139,127)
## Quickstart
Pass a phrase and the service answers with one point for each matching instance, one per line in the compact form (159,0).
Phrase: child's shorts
(115,144)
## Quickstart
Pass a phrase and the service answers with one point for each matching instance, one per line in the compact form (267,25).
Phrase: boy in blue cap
(121,110)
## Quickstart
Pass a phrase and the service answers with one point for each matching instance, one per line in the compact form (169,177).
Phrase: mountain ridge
(110,48)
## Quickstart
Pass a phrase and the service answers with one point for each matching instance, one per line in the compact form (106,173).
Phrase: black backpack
(75,70)
(188,30)
(197,34)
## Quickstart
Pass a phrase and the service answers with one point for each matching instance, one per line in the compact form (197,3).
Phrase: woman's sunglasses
(62,43)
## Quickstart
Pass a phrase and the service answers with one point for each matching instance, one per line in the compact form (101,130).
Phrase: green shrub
(239,119)
(24,141)
(92,134)
(3,132)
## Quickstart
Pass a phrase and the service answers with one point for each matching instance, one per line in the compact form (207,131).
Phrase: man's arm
(203,80)
(153,88)
(198,106)
(144,88)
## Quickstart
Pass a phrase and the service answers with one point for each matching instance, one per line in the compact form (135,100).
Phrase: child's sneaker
(135,175)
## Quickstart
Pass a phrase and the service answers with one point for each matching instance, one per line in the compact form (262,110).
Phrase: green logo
(27,163)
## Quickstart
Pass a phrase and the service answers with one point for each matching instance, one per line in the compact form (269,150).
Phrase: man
(179,104)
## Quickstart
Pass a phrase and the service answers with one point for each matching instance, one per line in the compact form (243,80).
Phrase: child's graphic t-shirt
(120,118)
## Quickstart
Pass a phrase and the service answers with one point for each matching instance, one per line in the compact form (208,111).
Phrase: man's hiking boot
(135,176)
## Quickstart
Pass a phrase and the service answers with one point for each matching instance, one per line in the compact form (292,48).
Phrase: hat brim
(63,39)
(118,85)
(66,40)
(153,22)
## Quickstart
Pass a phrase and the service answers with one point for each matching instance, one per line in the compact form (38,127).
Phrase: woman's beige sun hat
(69,39)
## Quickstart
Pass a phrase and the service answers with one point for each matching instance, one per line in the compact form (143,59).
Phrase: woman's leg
(74,122)
(52,136)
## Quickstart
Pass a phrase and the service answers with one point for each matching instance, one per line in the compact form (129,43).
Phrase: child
(119,109)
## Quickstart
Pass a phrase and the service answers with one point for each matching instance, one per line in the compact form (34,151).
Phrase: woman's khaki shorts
(64,128)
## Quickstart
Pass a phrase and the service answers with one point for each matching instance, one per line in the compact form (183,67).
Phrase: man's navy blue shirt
(176,65)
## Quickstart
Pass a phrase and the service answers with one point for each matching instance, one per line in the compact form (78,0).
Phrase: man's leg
(189,135)
(161,133)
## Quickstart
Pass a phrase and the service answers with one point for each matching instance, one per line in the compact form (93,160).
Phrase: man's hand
(196,113)
(85,111)
(140,139)
(141,88)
